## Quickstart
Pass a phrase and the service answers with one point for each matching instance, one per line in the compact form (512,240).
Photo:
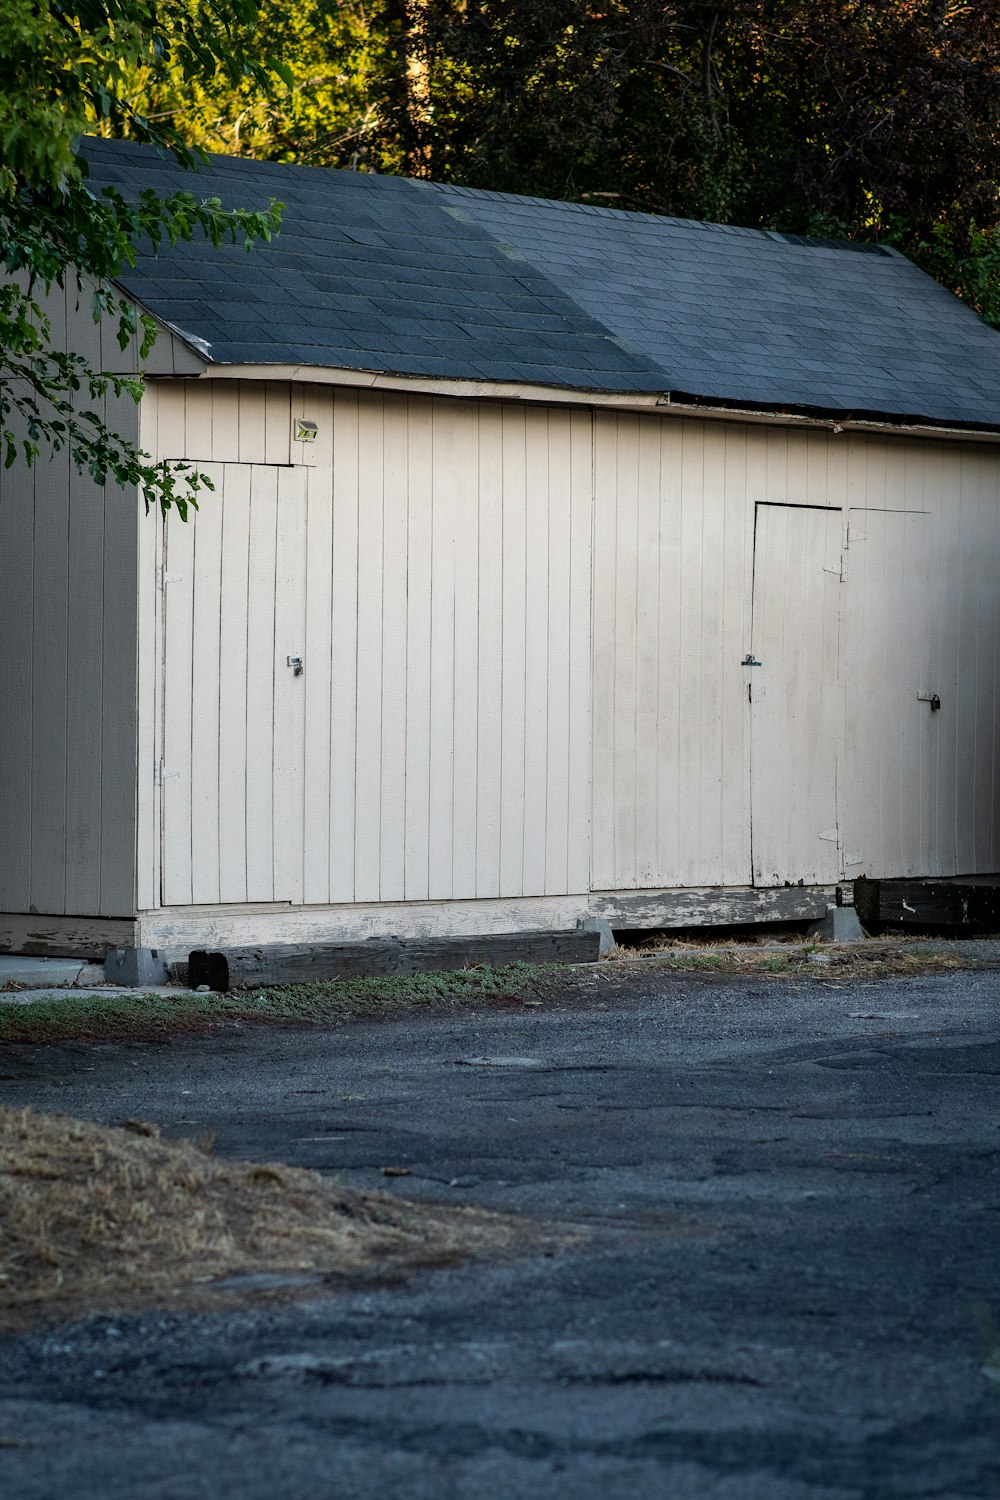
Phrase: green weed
(106,1017)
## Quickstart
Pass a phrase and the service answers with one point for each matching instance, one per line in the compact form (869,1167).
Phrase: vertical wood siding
(672,572)
(68,674)
(432,568)
(675,504)
(523,632)
(887,632)
(522,629)
(794,695)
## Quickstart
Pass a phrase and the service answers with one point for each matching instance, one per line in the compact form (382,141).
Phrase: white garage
(561,563)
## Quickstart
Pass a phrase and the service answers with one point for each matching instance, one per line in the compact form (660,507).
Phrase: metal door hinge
(840,571)
(161,773)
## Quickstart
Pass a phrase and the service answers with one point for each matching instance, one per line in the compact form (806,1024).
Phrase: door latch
(750,661)
(295,662)
(932,699)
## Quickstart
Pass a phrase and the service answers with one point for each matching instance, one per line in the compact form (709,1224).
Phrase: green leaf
(66,71)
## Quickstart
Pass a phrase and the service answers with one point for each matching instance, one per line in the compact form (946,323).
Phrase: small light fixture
(305,432)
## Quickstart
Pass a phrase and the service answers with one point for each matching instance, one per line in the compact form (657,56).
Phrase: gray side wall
(68,667)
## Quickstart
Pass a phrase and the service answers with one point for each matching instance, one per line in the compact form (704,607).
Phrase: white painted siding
(887,627)
(523,630)
(233,711)
(793,695)
(437,563)
(675,502)
(431,565)
(222,421)
(672,590)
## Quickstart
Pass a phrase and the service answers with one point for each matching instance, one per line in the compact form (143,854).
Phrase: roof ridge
(225,162)
(648,216)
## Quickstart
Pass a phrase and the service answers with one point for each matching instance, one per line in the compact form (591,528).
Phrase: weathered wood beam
(289,963)
(928,903)
(712,906)
(65,937)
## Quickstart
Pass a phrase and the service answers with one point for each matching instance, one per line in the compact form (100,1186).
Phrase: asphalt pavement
(781,1283)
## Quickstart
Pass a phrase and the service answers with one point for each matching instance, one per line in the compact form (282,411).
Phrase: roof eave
(677,403)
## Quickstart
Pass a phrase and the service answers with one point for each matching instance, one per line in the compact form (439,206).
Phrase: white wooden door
(891,724)
(794,695)
(233,707)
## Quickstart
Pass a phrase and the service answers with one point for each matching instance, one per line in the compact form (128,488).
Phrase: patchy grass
(95,1217)
(82,1017)
(114,1016)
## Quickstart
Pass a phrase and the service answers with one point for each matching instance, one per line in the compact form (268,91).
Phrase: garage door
(233,696)
(795,698)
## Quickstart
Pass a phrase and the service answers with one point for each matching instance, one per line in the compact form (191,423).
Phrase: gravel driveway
(783,1280)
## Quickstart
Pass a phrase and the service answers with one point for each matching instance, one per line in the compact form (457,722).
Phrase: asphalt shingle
(383,273)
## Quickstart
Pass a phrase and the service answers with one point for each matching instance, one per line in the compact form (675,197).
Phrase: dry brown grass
(659,942)
(816,961)
(93,1217)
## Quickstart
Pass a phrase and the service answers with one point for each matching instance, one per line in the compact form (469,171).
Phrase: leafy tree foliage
(871,118)
(332,55)
(67,68)
(877,119)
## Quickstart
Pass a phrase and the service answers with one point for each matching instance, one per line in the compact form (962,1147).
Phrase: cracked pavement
(785,1283)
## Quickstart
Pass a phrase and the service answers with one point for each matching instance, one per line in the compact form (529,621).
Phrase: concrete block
(136,967)
(840,925)
(606,942)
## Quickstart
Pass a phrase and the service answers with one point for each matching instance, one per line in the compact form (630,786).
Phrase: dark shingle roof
(412,278)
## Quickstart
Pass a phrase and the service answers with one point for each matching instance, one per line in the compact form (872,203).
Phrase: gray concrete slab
(786,1286)
(40,972)
(86,992)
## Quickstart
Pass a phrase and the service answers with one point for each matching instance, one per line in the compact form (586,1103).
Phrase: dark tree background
(877,119)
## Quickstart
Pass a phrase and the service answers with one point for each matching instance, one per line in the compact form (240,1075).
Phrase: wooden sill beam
(288,963)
